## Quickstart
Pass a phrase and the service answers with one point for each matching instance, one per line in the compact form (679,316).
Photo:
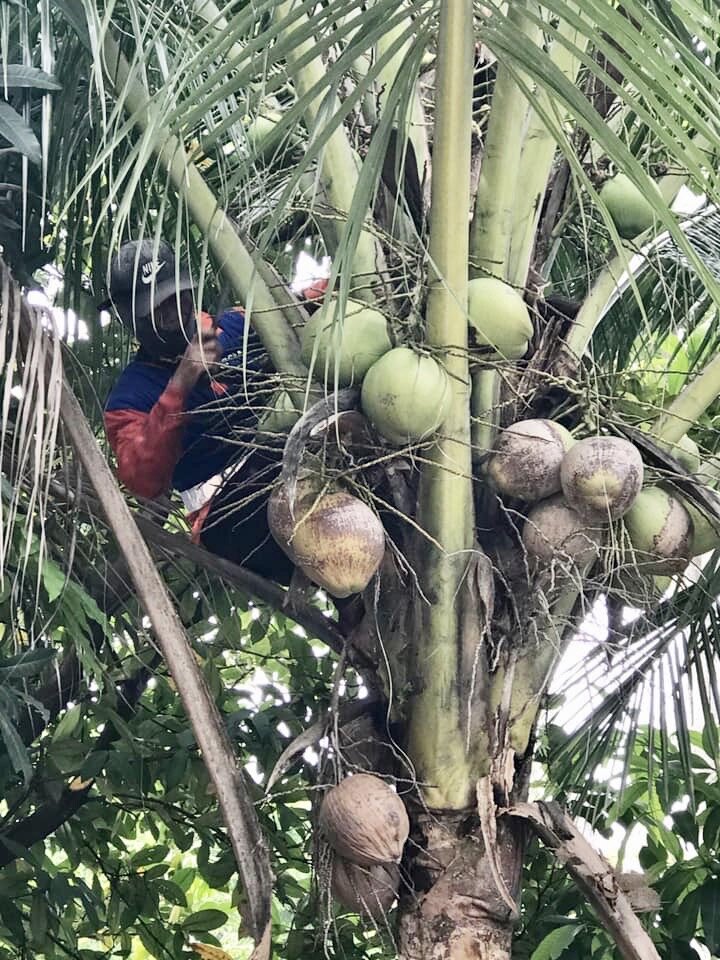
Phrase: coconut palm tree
(498,181)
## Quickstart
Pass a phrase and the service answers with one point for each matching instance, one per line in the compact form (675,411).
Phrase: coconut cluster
(578,489)
(366,824)
(332,536)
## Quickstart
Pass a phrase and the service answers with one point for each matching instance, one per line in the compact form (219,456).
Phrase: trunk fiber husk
(453,909)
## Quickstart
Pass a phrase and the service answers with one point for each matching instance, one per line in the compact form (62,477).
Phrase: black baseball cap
(142,276)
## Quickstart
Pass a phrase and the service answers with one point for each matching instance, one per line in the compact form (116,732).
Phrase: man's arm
(148,445)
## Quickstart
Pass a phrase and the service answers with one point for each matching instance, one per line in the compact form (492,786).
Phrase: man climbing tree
(184,413)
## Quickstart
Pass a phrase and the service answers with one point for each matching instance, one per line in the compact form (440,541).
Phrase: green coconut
(601,477)
(498,317)
(631,213)
(555,533)
(352,345)
(526,458)
(660,531)
(706,531)
(686,452)
(405,396)
(281,415)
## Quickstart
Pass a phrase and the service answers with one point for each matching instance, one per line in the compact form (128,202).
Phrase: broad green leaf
(204,920)
(69,723)
(171,892)
(15,747)
(556,942)
(14,129)
(710,913)
(27,664)
(54,580)
(19,75)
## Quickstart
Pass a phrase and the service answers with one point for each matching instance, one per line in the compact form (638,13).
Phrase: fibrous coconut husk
(369,891)
(365,821)
(526,458)
(334,538)
(601,477)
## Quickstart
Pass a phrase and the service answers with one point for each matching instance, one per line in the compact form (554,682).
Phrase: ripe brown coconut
(601,477)
(526,458)
(660,530)
(335,538)
(365,821)
(555,533)
(369,891)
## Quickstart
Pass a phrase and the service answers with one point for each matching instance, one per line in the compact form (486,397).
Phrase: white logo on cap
(150,270)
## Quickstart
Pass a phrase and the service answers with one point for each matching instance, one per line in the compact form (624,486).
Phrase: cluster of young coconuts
(575,490)
(338,541)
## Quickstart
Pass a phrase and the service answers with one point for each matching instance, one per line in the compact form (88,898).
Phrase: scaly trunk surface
(454,909)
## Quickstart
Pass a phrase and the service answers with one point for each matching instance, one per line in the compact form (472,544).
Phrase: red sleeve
(148,445)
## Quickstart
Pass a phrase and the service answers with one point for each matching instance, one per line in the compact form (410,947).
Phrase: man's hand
(201,353)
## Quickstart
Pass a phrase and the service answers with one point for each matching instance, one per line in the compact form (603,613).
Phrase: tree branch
(592,873)
(234,800)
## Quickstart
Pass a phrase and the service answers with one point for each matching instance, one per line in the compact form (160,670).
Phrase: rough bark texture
(454,909)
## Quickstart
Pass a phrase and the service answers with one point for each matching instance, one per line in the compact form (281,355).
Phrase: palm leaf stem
(339,163)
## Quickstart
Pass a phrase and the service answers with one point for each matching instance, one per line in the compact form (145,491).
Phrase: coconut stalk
(461,902)
(339,164)
(416,118)
(233,257)
(492,224)
(445,498)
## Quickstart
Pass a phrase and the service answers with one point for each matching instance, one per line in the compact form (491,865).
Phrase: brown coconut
(526,458)
(369,891)
(335,538)
(365,821)
(601,477)
(660,530)
(554,532)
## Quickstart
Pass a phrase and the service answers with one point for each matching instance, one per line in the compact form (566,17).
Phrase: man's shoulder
(138,387)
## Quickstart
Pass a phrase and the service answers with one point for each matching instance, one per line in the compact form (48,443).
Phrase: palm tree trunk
(454,908)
